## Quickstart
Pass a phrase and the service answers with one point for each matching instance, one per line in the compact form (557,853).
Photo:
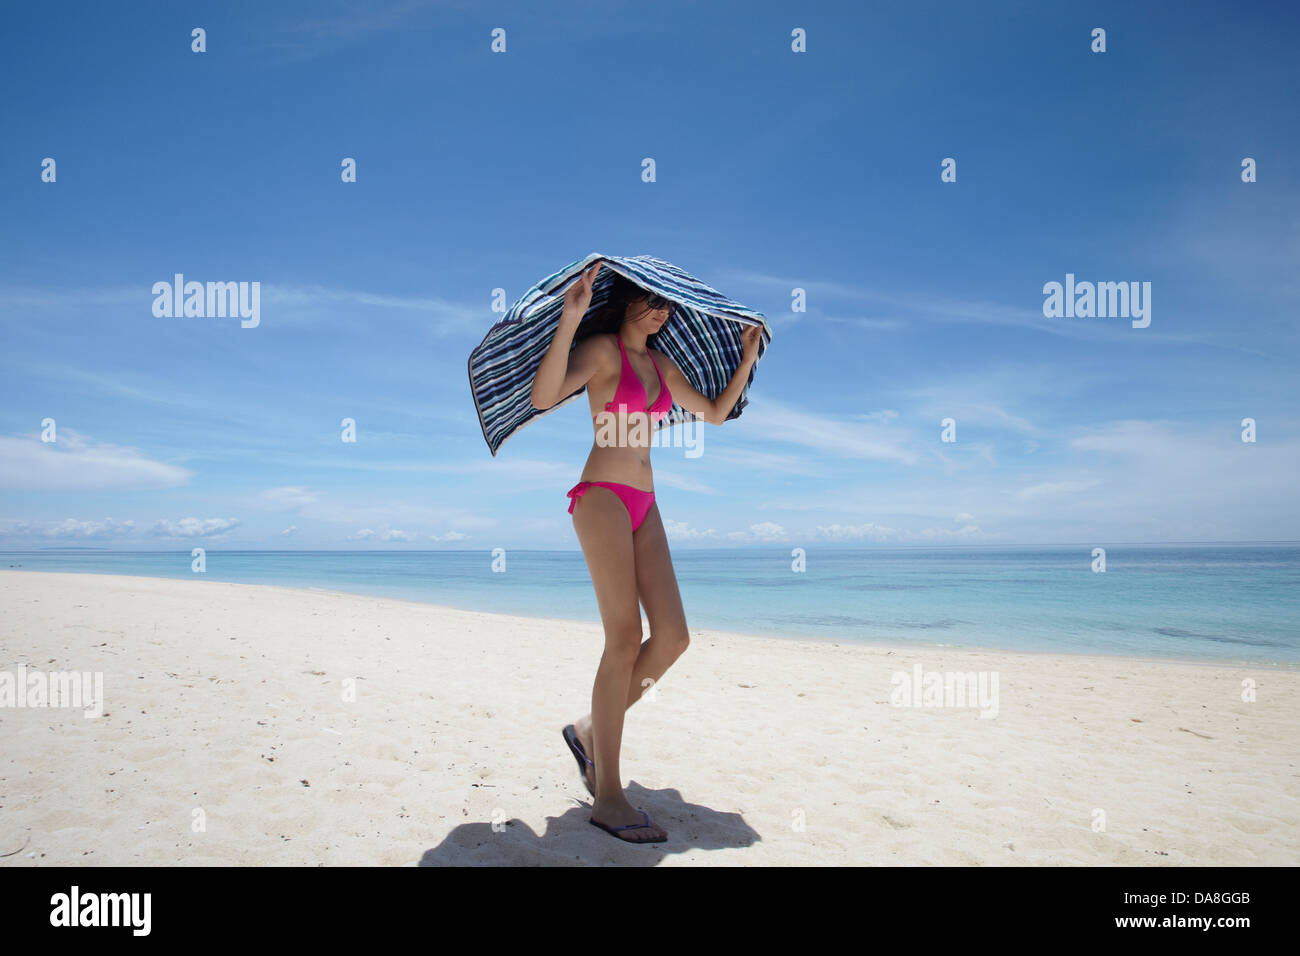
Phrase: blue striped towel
(702,336)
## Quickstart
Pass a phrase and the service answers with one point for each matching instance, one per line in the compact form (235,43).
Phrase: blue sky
(775,170)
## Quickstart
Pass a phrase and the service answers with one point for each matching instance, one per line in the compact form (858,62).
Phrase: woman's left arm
(713,410)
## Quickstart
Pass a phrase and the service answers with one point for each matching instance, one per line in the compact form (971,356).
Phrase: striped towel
(702,335)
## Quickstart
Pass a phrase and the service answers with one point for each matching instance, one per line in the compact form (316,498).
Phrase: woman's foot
(623,814)
(582,730)
(614,813)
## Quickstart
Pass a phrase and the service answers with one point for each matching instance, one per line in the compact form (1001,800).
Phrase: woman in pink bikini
(615,516)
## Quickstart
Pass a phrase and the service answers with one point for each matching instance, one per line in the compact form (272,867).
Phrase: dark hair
(610,315)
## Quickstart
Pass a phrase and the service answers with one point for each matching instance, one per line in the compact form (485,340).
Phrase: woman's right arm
(562,373)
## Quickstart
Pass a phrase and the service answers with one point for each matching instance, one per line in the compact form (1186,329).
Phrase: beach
(256,725)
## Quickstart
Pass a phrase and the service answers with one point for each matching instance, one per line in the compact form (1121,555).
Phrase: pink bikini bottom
(636,501)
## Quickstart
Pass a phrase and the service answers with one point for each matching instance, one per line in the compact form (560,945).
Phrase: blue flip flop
(631,826)
(571,738)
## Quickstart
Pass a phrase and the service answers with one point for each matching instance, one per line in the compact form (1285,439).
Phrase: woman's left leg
(656,586)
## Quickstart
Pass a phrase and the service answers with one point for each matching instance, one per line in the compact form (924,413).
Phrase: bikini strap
(609,406)
(663,385)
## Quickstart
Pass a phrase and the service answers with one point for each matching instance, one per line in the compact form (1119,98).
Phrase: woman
(615,515)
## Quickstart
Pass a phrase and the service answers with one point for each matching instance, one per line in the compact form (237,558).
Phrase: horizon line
(749,547)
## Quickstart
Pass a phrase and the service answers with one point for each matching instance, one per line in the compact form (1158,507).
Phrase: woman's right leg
(605,533)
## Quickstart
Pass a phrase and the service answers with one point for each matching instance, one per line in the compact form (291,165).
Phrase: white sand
(226,697)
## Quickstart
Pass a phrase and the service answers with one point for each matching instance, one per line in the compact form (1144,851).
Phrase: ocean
(1222,603)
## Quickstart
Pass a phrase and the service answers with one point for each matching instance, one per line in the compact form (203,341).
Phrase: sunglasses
(655,301)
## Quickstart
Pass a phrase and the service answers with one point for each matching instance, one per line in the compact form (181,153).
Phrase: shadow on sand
(571,840)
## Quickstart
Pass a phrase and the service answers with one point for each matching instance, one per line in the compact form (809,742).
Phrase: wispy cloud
(399,536)
(288,498)
(349,22)
(1049,489)
(315,304)
(763,531)
(778,422)
(333,513)
(681,532)
(195,527)
(738,457)
(75,463)
(672,479)
(79,529)
(880,534)
(27,297)
(828,296)
(282,304)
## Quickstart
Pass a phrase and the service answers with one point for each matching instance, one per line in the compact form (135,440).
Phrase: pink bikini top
(630,394)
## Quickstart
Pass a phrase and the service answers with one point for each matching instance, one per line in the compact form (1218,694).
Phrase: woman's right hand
(578,296)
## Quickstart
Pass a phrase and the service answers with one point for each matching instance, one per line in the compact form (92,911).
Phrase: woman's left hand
(749,339)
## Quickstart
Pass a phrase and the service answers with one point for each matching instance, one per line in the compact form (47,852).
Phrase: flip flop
(631,826)
(571,738)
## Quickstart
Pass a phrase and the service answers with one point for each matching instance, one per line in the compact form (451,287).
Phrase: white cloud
(968,532)
(75,463)
(74,528)
(859,532)
(304,39)
(194,527)
(288,498)
(762,532)
(735,456)
(670,479)
(17,297)
(870,531)
(1128,437)
(681,531)
(1051,488)
(364,510)
(767,531)
(952,400)
(870,440)
(873,325)
(885,415)
(315,304)
(291,305)
(930,307)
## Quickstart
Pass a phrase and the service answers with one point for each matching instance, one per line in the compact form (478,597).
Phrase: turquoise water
(1212,602)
